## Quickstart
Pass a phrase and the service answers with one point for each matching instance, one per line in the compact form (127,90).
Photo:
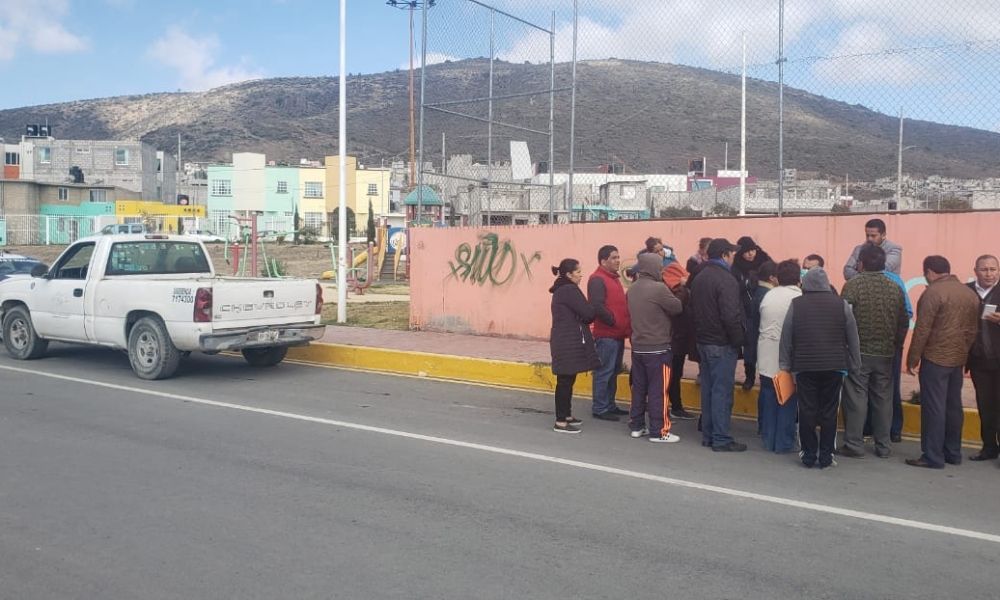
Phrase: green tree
(371,223)
(334,219)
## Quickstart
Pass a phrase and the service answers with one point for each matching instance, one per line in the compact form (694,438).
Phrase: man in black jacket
(718,317)
(984,358)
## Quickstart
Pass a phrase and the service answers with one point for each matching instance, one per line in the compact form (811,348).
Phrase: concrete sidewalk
(521,351)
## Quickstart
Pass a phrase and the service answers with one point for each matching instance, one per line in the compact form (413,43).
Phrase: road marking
(732,492)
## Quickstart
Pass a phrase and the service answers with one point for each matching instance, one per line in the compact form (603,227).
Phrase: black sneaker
(618,411)
(730,447)
(566,428)
(850,452)
(682,415)
(895,438)
(608,416)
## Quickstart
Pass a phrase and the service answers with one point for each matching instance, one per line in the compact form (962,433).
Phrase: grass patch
(394,289)
(380,315)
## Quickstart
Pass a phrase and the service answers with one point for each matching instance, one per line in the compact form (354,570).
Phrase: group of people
(817,351)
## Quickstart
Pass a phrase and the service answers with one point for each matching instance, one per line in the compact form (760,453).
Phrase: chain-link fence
(849,106)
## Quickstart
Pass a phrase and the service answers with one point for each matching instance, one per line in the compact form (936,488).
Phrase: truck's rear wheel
(265,357)
(19,335)
(151,351)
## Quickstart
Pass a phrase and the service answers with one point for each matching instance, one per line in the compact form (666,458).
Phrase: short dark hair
(605,252)
(704,242)
(767,270)
(789,272)
(872,258)
(566,266)
(651,243)
(986,257)
(876,224)
(937,264)
(817,258)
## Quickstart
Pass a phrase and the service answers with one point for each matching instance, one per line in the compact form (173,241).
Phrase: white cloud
(194,60)
(876,63)
(37,26)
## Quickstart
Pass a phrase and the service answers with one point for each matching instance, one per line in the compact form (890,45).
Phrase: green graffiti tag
(490,260)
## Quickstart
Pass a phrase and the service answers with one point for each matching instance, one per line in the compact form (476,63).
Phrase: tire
(265,357)
(19,335)
(151,351)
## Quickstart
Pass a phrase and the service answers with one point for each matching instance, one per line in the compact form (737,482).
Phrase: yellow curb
(539,377)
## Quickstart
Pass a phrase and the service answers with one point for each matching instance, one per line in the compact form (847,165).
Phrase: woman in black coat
(571,342)
(749,259)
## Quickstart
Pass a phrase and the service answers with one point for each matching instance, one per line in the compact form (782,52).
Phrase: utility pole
(743,134)
(899,164)
(342,191)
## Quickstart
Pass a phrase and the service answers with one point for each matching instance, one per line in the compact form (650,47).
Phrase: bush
(679,213)
(722,209)
(955,204)
(308,235)
(839,208)
(277,268)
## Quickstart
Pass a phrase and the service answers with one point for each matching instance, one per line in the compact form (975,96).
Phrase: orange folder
(784,385)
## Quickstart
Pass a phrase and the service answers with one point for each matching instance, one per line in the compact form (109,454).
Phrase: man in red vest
(611,328)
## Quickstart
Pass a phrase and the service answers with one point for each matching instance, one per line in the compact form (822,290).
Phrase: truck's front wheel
(265,357)
(151,351)
(19,335)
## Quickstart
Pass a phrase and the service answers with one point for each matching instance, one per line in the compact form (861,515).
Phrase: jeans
(941,413)
(650,373)
(777,423)
(819,396)
(718,371)
(868,391)
(610,351)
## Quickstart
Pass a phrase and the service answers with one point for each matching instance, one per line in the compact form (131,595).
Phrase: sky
(909,55)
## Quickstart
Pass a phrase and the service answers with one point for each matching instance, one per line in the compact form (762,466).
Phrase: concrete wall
(463,282)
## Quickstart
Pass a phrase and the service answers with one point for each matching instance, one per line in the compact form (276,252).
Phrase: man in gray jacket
(819,345)
(875,234)
(651,304)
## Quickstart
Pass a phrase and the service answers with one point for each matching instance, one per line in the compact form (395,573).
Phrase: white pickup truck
(158,297)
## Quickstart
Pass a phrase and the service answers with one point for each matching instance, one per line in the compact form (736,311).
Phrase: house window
(63,193)
(121,157)
(282,187)
(98,195)
(222,187)
(373,189)
(11,158)
(45,155)
(314,189)
(314,219)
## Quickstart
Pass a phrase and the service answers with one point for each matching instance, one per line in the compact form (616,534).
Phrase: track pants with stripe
(649,376)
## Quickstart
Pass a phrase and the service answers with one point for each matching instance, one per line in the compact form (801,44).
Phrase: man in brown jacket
(947,325)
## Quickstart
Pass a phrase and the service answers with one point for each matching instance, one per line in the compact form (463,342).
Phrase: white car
(158,297)
(204,235)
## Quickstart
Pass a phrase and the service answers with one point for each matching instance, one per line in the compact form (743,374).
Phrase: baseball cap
(720,246)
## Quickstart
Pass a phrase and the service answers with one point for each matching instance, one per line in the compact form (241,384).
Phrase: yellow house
(372,184)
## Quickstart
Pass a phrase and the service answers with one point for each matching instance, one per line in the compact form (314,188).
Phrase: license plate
(267,336)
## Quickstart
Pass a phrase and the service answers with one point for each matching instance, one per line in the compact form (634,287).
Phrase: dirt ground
(300,261)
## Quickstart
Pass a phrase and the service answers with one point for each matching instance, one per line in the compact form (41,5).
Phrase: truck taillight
(203,305)
(319,299)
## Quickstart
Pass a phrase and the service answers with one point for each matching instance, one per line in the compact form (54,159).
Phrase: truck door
(58,311)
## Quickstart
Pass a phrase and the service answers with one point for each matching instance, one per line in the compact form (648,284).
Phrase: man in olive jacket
(947,325)
(650,306)
(718,317)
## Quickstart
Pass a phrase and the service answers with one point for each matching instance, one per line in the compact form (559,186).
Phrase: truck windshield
(156,257)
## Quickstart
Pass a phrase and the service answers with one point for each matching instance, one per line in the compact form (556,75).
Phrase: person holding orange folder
(777,417)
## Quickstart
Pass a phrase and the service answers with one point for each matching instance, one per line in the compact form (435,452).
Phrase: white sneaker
(670,438)
(638,434)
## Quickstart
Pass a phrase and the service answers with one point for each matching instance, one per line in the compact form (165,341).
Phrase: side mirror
(40,270)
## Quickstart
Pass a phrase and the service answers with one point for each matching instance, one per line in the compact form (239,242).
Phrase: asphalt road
(307,482)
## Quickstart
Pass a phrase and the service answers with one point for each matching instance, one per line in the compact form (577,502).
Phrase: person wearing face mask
(570,340)
(984,358)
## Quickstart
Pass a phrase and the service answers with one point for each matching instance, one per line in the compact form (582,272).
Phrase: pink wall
(452,292)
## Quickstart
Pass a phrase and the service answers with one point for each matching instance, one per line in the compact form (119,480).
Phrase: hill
(652,117)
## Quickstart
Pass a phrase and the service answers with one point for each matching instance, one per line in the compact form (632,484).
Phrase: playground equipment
(249,247)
